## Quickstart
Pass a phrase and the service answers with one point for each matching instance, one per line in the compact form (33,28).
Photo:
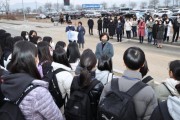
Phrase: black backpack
(78,106)
(11,111)
(118,105)
(164,111)
(54,87)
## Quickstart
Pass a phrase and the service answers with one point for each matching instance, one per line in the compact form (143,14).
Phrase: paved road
(158,59)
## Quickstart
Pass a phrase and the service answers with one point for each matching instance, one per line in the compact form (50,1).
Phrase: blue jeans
(149,37)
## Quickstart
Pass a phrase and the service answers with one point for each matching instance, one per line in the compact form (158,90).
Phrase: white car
(93,15)
(41,16)
(160,13)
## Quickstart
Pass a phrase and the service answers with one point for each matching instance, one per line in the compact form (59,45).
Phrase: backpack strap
(92,85)
(28,90)
(115,85)
(147,79)
(167,88)
(58,70)
(136,88)
(164,110)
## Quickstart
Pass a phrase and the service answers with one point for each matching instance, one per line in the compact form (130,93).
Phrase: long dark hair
(59,56)
(104,63)
(30,34)
(9,43)
(174,67)
(43,52)
(23,59)
(87,62)
(73,53)
(134,58)
(47,39)
(60,44)
(144,70)
(23,34)
(4,36)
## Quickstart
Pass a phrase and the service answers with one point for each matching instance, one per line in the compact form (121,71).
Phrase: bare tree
(57,6)
(40,9)
(28,10)
(143,5)
(114,6)
(167,2)
(123,5)
(48,6)
(177,2)
(154,3)
(133,5)
(78,7)
(104,5)
(71,6)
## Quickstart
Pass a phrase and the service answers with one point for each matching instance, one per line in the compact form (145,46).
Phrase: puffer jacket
(144,101)
(103,76)
(167,88)
(94,94)
(38,104)
(64,78)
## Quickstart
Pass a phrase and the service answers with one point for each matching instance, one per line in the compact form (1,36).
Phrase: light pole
(23,10)
(129,6)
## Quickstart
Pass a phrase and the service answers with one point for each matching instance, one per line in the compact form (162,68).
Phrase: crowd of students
(156,29)
(89,90)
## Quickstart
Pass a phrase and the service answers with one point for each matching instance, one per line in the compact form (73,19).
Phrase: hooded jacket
(38,104)
(162,92)
(104,76)
(173,104)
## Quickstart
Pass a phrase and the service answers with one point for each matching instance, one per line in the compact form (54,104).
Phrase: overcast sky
(110,2)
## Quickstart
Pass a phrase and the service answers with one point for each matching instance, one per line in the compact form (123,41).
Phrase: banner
(67,2)
(72,35)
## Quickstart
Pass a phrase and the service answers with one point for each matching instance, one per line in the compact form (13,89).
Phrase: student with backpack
(104,70)
(128,98)
(170,91)
(168,87)
(23,88)
(51,71)
(73,55)
(63,69)
(85,91)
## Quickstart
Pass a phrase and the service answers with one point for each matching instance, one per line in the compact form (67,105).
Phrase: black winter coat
(90,23)
(105,23)
(111,28)
(154,31)
(99,22)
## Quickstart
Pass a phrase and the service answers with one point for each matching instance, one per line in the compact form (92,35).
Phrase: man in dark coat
(99,22)
(105,24)
(90,25)
(176,25)
(111,28)
(119,29)
(67,18)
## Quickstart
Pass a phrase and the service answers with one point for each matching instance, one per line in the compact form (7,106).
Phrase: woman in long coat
(160,34)
(81,34)
(141,30)
(154,32)
(111,28)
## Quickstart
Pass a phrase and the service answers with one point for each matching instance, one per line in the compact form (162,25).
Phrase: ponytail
(85,78)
